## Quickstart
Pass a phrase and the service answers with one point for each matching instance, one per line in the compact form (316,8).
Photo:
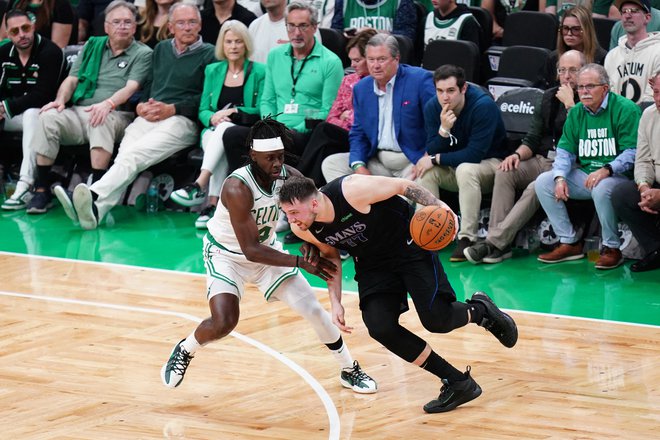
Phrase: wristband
(609,169)
(517,154)
(112,103)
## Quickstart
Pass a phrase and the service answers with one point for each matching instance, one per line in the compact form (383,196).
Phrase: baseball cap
(645,4)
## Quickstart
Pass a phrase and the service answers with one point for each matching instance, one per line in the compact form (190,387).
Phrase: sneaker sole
(356,388)
(610,267)
(10,207)
(505,256)
(571,258)
(475,393)
(40,210)
(495,312)
(188,203)
(66,203)
(82,202)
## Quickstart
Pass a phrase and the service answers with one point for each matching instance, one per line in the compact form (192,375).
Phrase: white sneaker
(175,368)
(20,199)
(357,380)
(282,223)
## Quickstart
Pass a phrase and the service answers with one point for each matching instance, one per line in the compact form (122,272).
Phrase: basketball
(432,228)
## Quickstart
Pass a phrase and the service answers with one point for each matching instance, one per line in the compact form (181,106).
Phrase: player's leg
(224,282)
(299,296)
(380,312)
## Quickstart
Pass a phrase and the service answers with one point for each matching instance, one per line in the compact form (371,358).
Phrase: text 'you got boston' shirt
(374,239)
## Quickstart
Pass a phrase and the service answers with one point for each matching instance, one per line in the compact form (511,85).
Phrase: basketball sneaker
(190,195)
(20,199)
(501,325)
(454,394)
(175,368)
(357,380)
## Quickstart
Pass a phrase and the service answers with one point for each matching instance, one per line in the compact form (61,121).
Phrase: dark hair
(360,40)
(447,71)
(15,13)
(297,188)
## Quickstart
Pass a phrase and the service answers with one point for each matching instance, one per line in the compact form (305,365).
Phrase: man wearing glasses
(596,153)
(108,71)
(32,68)
(637,56)
(518,171)
(166,122)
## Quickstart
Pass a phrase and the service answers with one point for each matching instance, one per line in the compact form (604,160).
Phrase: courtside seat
(458,52)
(336,42)
(520,66)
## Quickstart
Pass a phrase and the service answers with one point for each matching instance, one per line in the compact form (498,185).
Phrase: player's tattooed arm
(421,196)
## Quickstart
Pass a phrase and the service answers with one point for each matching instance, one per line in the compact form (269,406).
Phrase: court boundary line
(330,407)
(318,289)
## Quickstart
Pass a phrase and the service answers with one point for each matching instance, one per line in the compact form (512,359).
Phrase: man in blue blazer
(387,137)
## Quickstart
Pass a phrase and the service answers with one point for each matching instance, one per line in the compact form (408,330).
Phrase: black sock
(436,365)
(97,174)
(477,312)
(43,177)
(336,345)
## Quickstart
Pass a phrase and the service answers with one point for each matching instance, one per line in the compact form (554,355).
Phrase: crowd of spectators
(158,76)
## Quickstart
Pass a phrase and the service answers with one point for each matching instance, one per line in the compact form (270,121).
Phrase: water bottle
(152,198)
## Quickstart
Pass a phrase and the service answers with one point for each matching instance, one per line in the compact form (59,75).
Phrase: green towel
(90,65)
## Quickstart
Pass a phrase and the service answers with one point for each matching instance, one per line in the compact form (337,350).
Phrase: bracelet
(517,154)
(297,261)
(112,103)
(559,179)
(443,132)
(357,165)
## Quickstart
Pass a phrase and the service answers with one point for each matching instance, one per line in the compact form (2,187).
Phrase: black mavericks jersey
(378,238)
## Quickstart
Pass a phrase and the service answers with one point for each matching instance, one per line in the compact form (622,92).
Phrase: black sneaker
(497,256)
(40,203)
(501,325)
(175,368)
(476,253)
(459,254)
(454,394)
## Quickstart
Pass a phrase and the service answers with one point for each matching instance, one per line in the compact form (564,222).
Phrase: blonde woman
(232,95)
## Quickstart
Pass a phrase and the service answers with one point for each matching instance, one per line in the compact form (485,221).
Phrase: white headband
(266,145)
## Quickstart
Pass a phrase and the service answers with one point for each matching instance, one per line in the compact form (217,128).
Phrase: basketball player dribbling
(241,247)
(365,216)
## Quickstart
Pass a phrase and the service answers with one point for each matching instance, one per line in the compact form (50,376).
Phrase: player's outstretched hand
(310,253)
(324,269)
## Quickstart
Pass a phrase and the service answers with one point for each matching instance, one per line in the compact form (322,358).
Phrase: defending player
(241,247)
(365,216)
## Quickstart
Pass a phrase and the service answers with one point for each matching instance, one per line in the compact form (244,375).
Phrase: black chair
(603,28)
(458,52)
(519,66)
(525,28)
(485,20)
(336,42)
(422,13)
(517,109)
(407,50)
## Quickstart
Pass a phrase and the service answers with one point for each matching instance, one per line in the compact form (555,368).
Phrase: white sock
(343,356)
(190,344)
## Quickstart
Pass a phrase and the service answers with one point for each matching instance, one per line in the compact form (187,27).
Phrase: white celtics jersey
(450,29)
(265,211)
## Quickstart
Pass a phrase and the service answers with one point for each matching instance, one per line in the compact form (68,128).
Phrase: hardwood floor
(83,344)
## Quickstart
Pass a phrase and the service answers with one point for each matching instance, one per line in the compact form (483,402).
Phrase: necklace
(234,75)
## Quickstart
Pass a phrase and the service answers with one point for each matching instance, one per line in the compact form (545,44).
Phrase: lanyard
(294,79)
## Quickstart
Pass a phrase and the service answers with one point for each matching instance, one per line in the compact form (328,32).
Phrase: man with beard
(32,68)
(241,247)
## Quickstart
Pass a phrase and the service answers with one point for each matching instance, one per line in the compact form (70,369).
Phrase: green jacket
(214,78)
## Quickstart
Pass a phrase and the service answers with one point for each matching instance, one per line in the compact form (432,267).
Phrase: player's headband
(266,145)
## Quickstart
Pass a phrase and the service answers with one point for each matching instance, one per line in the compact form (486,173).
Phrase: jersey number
(264,234)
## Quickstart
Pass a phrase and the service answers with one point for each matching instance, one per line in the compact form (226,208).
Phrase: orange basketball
(432,228)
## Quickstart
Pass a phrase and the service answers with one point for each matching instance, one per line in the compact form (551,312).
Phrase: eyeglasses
(181,24)
(301,27)
(589,87)
(25,28)
(121,23)
(573,30)
(571,70)
(630,11)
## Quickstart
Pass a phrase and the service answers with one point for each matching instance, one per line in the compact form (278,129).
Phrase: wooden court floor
(83,344)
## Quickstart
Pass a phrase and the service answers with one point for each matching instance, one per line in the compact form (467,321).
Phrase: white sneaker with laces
(20,199)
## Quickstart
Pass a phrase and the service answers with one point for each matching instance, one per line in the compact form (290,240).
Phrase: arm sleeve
(624,161)
(357,138)
(205,104)
(535,133)
(268,99)
(405,20)
(644,170)
(334,73)
(563,163)
(62,12)
(341,104)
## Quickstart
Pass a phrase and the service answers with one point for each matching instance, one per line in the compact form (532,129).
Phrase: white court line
(331,410)
(319,289)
